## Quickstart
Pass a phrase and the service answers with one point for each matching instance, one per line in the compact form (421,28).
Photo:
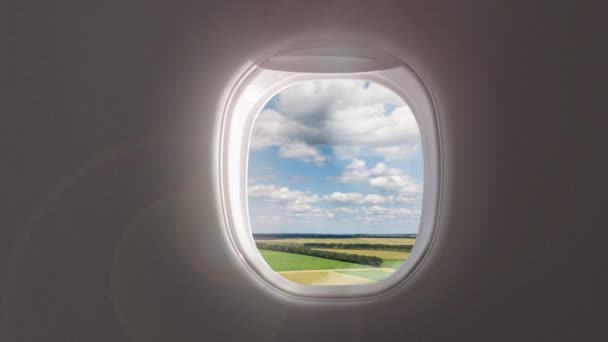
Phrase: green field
(313,270)
(374,275)
(280,261)
(395,263)
(371,252)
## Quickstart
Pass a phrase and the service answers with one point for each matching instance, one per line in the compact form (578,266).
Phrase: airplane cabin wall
(111,223)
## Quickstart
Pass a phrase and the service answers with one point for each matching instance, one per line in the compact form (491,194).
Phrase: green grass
(280,261)
(371,274)
(392,263)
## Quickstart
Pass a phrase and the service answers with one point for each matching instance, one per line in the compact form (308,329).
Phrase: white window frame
(258,84)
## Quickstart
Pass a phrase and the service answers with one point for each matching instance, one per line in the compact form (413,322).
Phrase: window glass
(335,175)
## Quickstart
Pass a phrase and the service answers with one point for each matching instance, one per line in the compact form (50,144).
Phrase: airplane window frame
(257,85)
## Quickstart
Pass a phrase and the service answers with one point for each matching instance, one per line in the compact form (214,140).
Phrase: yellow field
(389,241)
(338,276)
(384,241)
(323,277)
(369,252)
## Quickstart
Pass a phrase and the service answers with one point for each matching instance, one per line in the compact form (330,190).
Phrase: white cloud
(380,176)
(355,172)
(357,198)
(296,214)
(342,114)
(378,213)
(269,129)
(371,126)
(382,169)
(275,219)
(302,152)
(345,197)
(407,199)
(293,206)
(283,206)
(321,121)
(299,207)
(387,212)
(346,210)
(307,212)
(389,153)
(272,192)
(395,152)
(314,213)
(396,184)
(300,200)
(377,199)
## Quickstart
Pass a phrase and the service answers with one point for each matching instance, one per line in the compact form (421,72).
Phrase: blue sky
(335,157)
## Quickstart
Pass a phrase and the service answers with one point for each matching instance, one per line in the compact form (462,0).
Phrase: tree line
(304,250)
(402,248)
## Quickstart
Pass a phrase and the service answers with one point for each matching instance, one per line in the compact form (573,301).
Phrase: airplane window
(334,182)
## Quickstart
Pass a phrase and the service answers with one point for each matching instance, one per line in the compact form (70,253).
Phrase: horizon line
(340,234)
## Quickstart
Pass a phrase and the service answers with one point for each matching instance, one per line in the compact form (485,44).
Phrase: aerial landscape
(334,185)
(310,259)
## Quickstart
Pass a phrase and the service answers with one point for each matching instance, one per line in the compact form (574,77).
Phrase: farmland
(374,275)
(280,262)
(378,253)
(392,263)
(324,277)
(300,261)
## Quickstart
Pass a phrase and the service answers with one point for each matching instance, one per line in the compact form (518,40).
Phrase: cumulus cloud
(378,213)
(299,207)
(345,115)
(388,153)
(284,206)
(273,220)
(408,199)
(303,206)
(272,192)
(395,152)
(395,184)
(307,212)
(292,204)
(296,214)
(302,152)
(321,122)
(382,169)
(346,210)
(380,176)
(377,199)
(345,197)
(314,213)
(355,172)
(357,198)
